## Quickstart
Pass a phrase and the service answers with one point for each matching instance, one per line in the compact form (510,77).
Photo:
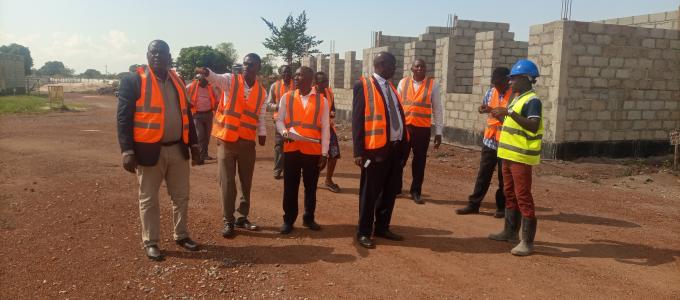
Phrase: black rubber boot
(510,231)
(526,246)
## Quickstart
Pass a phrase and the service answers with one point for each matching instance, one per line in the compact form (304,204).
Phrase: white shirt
(325,124)
(223,81)
(396,130)
(437,106)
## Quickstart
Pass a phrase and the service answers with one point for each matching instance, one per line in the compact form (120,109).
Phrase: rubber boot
(510,231)
(526,246)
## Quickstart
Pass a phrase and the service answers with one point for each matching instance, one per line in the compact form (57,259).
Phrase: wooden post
(675,141)
(676,159)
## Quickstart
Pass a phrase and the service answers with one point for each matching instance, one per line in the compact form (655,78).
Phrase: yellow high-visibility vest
(516,143)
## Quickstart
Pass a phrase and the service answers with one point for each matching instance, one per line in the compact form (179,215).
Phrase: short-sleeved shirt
(532,109)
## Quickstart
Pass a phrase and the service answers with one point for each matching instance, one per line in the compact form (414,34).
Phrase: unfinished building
(609,88)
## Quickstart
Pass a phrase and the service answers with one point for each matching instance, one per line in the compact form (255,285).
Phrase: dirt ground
(70,228)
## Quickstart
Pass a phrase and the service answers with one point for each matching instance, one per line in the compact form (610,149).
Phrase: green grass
(32,104)
(22,104)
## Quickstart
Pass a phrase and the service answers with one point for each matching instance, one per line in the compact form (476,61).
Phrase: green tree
(290,41)
(133,68)
(227,48)
(201,56)
(91,73)
(268,66)
(20,50)
(52,68)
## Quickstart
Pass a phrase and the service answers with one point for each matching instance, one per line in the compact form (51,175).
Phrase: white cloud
(78,51)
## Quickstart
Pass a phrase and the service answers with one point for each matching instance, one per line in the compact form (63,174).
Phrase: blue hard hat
(525,67)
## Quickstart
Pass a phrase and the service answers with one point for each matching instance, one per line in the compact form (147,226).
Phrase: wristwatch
(509,111)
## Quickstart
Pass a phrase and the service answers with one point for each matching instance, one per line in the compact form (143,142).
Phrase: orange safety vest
(279,90)
(149,120)
(236,117)
(417,104)
(305,120)
(493,125)
(328,92)
(375,122)
(193,94)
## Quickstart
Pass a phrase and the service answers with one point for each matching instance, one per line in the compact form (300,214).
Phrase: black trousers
(278,151)
(296,165)
(203,122)
(379,186)
(419,143)
(487,164)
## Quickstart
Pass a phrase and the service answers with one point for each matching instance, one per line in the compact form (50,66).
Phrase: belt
(168,144)
(394,143)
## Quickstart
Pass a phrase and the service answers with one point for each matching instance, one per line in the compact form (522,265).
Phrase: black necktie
(394,114)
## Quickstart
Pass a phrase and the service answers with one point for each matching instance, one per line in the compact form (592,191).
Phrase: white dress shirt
(396,130)
(325,124)
(437,106)
(223,81)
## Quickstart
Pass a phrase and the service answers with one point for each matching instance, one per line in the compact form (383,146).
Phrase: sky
(112,35)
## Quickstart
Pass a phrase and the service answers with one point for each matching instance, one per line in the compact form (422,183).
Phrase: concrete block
(585,61)
(651,95)
(616,62)
(642,104)
(623,73)
(648,43)
(595,28)
(536,29)
(641,19)
(594,50)
(648,115)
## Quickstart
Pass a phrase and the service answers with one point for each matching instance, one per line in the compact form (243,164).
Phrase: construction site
(607,197)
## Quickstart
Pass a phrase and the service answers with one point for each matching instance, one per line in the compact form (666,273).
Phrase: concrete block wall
(607,90)
(623,82)
(322,63)
(336,71)
(457,54)
(352,69)
(11,74)
(370,53)
(662,20)
(419,49)
(309,61)
(494,49)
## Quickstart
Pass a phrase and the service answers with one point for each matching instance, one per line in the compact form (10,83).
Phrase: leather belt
(167,144)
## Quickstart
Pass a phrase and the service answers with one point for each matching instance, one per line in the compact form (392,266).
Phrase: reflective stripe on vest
(375,124)
(238,117)
(516,143)
(279,90)
(330,97)
(194,96)
(305,120)
(149,121)
(493,125)
(417,104)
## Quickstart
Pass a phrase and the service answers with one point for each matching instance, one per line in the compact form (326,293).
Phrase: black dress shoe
(468,210)
(417,199)
(153,253)
(312,225)
(286,228)
(499,214)
(188,244)
(245,224)
(365,242)
(389,235)
(228,230)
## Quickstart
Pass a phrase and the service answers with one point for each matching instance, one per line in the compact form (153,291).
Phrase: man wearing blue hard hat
(519,147)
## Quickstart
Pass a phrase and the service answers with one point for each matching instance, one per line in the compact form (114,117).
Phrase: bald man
(380,147)
(155,133)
